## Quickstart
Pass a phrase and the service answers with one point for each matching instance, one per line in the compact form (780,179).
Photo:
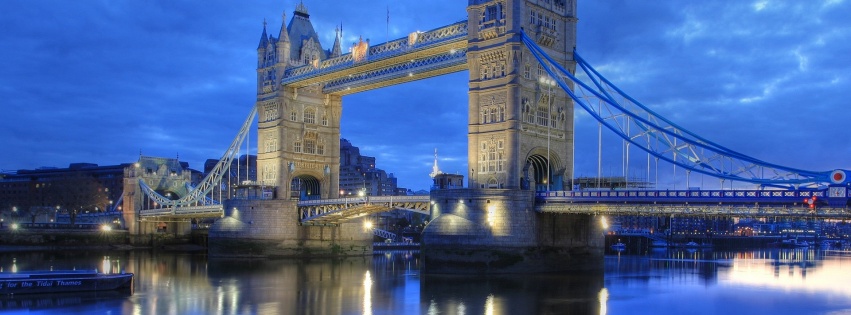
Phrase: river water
(777,281)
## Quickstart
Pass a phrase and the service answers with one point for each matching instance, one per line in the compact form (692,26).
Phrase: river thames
(776,281)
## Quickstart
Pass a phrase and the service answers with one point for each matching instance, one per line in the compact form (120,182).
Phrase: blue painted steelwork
(446,60)
(197,199)
(667,141)
(424,40)
(765,197)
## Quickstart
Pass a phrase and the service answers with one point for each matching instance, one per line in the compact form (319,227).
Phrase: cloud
(102,81)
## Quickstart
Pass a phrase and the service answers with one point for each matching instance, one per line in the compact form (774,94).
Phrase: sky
(102,81)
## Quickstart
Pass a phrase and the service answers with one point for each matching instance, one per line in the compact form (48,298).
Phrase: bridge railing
(777,196)
(357,200)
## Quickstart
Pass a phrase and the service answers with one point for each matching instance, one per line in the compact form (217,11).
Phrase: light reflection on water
(795,281)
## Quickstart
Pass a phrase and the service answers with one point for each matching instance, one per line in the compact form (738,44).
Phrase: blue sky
(100,81)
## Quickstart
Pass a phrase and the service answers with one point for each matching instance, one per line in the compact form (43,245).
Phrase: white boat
(793,243)
(659,244)
(695,245)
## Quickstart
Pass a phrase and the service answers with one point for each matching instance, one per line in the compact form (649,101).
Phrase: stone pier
(270,228)
(499,231)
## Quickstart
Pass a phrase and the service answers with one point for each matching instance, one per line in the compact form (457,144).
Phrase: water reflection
(512,294)
(793,281)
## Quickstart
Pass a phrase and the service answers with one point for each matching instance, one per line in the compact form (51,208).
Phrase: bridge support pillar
(270,228)
(499,231)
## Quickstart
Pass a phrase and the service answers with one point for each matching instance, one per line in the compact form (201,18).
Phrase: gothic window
(491,13)
(293,116)
(540,71)
(297,146)
(309,116)
(484,115)
(493,114)
(528,112)
(502,113)
(527,71)
(485,73)
(271,145)
(320,149)
(324,119)
(542,116)
(310,147)
(270,57)
(269,173)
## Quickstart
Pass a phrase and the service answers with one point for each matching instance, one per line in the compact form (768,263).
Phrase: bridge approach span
(331,212)
(730,203)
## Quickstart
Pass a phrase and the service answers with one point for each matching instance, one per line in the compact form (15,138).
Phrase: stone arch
(536,174)
(492,183)
(305,187)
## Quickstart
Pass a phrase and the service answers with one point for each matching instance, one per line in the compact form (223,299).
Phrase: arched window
(492,183)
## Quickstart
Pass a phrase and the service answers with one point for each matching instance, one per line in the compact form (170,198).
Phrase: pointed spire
(336,51)
(264,39)
(282,35)
(434,169)
(301,9)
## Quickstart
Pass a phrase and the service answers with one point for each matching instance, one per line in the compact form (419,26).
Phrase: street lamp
(549,83)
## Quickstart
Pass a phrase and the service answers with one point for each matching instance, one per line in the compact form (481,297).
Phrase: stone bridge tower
(520,140)
(168,177)
(520,124)
(298,150)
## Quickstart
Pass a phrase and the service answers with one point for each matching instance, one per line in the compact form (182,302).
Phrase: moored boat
(791,243)
(35,282)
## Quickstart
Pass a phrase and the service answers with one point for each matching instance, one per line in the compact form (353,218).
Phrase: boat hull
(59,283)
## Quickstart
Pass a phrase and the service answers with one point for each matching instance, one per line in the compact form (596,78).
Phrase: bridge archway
(168,193)
(305,187)
(540,172)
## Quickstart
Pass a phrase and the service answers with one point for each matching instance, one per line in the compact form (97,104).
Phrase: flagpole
(387,35)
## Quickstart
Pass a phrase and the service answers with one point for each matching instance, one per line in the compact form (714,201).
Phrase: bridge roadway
(737,203)
(732,203)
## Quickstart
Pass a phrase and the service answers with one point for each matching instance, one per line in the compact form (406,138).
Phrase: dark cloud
(100,81)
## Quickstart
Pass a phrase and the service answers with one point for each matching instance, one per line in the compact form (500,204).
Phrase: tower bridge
(517,213)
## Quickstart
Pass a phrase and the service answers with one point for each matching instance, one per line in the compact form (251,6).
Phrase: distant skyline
(101,81)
